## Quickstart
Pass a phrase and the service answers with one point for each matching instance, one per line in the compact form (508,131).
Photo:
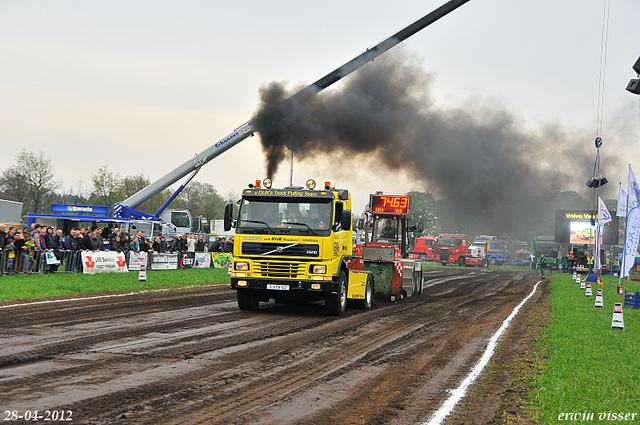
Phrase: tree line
(31,180)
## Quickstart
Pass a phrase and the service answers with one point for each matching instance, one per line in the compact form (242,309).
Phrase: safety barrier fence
(66,261)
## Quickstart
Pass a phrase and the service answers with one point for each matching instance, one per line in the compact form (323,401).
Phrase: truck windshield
(387,230)
(285,216)
(446,242)
(180,219)
(547,248)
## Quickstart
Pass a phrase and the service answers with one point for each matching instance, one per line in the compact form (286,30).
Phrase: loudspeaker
(594,183)
(634,86)
(636,66)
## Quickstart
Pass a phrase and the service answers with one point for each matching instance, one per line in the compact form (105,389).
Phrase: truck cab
(423,248)
(294,245)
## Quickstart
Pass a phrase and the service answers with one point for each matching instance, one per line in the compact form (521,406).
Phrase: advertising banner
(92,209)
(203,260)
(164,261)
(51,258)
(187,260)
(221,259)
(103,262)
(137,259)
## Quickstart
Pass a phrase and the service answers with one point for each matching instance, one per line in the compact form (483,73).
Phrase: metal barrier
(34,261)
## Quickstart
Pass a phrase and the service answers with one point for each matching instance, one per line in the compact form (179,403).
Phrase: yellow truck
(296,245)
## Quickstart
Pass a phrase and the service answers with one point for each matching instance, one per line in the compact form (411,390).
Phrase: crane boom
(246,130)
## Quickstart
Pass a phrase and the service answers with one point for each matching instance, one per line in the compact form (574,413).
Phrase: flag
(634,190)
(621,209)
(603,218)
(603,213)
(630,242)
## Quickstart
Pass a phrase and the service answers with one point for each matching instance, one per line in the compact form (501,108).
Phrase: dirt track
(191,357)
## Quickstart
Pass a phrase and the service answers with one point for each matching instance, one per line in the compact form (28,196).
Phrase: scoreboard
(390,204)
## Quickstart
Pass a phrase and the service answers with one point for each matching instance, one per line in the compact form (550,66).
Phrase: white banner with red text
(103,262)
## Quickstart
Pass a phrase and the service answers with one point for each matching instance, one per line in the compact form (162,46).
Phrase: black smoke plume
(488,168)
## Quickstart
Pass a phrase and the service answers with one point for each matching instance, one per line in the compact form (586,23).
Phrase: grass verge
(52,285)
(591,370)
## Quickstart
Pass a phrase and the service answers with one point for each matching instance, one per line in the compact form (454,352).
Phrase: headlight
(242,266)
(319,269)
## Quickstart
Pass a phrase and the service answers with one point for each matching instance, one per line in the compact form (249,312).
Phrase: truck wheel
(462,261)
(247,300)
(423,257)
(368,296)
(337,303)
(485,263)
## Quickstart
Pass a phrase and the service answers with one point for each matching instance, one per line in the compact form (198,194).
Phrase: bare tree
(30,181)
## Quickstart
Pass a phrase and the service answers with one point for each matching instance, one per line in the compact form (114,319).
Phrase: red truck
(453,248)
(423,248)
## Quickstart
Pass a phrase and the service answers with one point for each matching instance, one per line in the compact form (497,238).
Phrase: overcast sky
(141,86)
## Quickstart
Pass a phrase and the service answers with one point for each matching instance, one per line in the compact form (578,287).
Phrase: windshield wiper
(259,222)
(305,224)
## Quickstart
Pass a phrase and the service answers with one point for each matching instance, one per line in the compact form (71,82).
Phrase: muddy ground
(192,357)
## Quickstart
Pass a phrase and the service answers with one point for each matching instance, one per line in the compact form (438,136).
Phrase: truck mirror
(228,216)
(346,219)
(361,224)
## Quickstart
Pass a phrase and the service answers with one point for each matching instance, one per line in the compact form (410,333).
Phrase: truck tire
(485,263)
(337,303)
(462,261)
(247,300)
(367,302)
(423,257)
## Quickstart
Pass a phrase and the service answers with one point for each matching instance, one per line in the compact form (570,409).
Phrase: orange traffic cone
(599,281)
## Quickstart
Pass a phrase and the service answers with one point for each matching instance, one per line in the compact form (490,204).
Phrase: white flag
(630,242)
(621,209)
(634,190)
(603,213)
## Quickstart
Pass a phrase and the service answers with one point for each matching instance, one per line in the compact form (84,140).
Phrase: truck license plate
(278,287)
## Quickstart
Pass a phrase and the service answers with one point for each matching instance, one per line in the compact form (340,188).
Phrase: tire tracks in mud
(283,364)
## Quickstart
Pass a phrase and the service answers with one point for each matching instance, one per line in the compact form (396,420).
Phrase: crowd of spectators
(25,250)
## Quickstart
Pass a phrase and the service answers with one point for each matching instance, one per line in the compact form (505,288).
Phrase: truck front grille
(283,270)
(281,249)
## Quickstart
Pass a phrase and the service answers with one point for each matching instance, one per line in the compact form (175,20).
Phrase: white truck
(10,212)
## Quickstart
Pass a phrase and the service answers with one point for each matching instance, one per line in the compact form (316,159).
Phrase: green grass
(430,264)
(39,286)
(590,367)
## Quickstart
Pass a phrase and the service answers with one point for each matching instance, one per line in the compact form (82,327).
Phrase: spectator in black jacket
(116,245)
(85,242)
(178,244)
(215,246)
(144,245)
(156,244)
(71,241)
(3,235)
(164,246)
(228,247)
(171,245)
(71,246)
(58,239)
(200,244)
